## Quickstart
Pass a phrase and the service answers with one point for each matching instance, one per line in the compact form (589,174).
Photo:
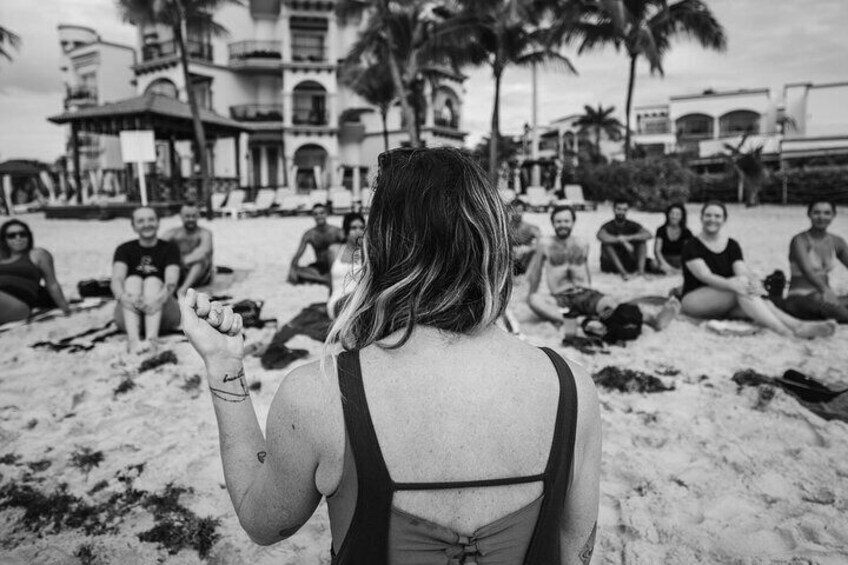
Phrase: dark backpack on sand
(623,324)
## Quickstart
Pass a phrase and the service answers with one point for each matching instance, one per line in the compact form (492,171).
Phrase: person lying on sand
(196,250)
(812,256)
(320,238)
(489,448)
(624,243)
(346,267)
(145,272)
(23,267)
(718,284)
(563,259)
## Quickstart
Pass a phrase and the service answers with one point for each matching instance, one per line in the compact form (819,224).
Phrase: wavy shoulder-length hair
(436,251)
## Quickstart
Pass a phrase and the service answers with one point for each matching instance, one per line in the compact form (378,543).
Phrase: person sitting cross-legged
(196,251)
(624,244)
(145,272)
(320,238)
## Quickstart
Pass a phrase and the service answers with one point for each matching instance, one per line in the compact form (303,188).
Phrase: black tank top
(367,537)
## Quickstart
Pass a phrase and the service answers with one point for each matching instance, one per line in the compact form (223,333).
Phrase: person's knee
(152,287)
(133,284)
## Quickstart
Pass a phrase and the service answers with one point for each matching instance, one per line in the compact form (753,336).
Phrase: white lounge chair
(317,196)
(538,199)
(218,200)
(262,203)
(233,206)
(574,197)
(507,195)
(342,200)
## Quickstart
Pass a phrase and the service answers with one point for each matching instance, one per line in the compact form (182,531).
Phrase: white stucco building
(277,72)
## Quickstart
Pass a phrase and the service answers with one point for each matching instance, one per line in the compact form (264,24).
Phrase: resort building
(805,121)
(95,72)
(276,72)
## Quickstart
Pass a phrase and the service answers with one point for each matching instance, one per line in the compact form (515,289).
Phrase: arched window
(446,108)
(695,126)
(309,104)
(311,163)
(162,87)
(739,122)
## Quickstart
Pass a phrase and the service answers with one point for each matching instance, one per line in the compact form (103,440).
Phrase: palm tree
(375,85)
(646,28)
(600,121)
(183,17)
(9,37)
(750,167)
(501,34)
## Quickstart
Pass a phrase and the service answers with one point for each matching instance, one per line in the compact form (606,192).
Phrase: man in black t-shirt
(624,248)
(145,273)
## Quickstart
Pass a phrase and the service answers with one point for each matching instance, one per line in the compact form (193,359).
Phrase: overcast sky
(771,43)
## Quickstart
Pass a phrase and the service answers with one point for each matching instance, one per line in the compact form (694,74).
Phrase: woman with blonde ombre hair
(435,436)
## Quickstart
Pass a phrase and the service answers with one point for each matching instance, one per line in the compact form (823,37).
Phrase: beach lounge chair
(574,197)
(317,196)
(538,199)
(287,202)
(342,200)
(262,205)
(218,200)
(233,206)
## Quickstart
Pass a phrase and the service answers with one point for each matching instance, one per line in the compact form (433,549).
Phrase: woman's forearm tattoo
(239,395)
(586,553)
(261,456)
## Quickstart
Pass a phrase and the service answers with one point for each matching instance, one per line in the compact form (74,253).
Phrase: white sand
(696,475)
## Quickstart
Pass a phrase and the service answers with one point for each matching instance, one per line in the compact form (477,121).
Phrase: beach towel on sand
(312,321)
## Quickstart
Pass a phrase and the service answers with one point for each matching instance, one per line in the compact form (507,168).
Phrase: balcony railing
(306,52)
(257,112)
(452,123)
(243,50)
(163,49)
(81,93)
(309,117)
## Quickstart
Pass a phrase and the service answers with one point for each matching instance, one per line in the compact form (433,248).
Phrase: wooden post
(75,149)
(237,143)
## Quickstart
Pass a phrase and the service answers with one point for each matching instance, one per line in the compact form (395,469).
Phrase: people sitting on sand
(813,254)
(346,267)
(624,243)
(27,277)
(524,236)
(488,446)
(320,238)
(668,243)
(196,250)
(145,273)
(564,261)
(718,284)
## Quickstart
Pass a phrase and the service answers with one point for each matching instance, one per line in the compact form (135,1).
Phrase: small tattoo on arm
(232,396)
(586,553)
(237,376)
(261,456)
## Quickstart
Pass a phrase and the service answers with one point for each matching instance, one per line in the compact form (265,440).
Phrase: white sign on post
(139,147)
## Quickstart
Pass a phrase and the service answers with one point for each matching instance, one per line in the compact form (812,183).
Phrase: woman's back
(455,409)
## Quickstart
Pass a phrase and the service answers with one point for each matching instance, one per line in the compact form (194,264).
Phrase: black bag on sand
(95,288)
(623,324)
(250,311)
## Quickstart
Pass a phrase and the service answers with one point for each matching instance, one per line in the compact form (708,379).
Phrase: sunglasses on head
(17,235)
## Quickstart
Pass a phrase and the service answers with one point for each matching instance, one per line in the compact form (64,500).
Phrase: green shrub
(649,184)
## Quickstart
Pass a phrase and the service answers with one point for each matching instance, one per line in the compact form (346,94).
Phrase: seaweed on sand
(85,459)
(628,380)
(164,358)
(177,527)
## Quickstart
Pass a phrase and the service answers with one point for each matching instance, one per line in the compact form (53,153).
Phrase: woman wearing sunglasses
(23,268)
(435,436)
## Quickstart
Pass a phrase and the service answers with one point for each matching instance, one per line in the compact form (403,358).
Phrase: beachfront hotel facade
(94,72)
(803,121)
(276,72)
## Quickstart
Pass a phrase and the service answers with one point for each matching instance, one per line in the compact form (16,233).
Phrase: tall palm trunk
(181,33)
(496,130)
(598,143)
(384,115)
(630,84)
(397,78)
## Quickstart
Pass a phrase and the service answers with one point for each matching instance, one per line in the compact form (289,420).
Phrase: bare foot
(139,348)
(812,330)
(625,276)
(666,314)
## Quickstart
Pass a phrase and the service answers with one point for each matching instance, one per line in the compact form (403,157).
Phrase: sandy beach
(705,473)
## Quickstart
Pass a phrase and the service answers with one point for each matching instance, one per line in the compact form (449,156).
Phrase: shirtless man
(569,283)
(196,250)
(145,272)
(321,237)
(624,243)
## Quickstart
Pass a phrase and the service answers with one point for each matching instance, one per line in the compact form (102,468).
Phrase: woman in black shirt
(718,284)
(671,236)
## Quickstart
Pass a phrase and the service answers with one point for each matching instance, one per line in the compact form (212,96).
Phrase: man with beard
(196,251)
(320,238)
(571,296)
(624,248)
(524,237)
(145,272)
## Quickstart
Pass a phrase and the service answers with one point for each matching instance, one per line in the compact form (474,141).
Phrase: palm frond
(9,37)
